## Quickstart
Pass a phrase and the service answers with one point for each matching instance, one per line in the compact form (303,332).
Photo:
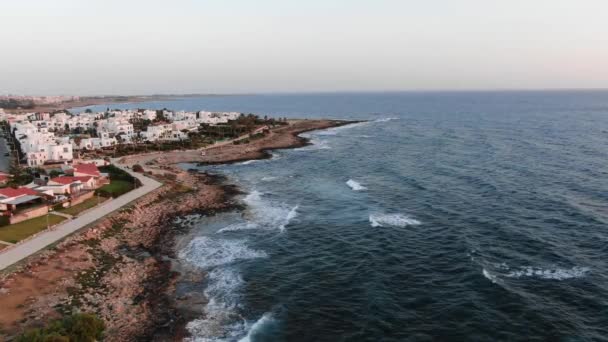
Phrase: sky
(130,47)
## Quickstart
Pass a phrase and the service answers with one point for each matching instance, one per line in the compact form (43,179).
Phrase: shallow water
(448,216)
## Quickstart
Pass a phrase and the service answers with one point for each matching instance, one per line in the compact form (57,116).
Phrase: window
(65,149)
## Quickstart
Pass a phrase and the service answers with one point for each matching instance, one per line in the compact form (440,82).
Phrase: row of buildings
(76,185)
(46,138)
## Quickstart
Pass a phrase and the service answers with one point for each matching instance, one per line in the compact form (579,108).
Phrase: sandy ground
(124,258)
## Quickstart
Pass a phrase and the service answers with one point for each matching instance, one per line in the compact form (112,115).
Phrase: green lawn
(19,231)
(116,188)
(78,208)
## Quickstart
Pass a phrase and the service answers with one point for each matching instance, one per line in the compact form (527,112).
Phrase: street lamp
(47,218)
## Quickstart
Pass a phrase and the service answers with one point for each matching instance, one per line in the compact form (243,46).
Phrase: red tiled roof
(65,180)
(89,169)
(10,192)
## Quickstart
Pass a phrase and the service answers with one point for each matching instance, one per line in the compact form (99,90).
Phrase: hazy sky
(226,46)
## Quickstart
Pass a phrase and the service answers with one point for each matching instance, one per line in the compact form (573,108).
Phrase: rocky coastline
(124,268)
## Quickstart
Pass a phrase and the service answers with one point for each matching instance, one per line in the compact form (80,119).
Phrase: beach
(123,268)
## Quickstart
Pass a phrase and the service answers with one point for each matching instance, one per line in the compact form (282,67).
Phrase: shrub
(138,168)
(76,328)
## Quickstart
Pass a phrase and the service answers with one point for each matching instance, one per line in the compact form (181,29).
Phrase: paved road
(4,160)
(30,247)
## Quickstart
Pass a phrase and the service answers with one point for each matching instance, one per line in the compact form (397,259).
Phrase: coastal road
(4,160)
(22,251)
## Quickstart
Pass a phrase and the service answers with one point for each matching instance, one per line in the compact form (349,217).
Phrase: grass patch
(116,188)
(78,208)
(19,231)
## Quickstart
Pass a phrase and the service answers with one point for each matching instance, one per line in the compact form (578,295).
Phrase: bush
(74,328)
(138,168)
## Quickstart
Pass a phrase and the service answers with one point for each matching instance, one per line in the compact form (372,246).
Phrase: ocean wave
(316,144)
(489,275)
(206,252)
(269,214)
(221,321)
(258,327)
(386,119)
(248,162)
(395,220)
(503,270)
(269,178)
(290,216)
(554,274)
(356,186)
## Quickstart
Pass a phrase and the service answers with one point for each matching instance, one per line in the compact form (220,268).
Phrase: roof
(22,199)
(89,169)
(65,180)
(10,192)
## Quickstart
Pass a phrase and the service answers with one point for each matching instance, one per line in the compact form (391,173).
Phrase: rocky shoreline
(124,269)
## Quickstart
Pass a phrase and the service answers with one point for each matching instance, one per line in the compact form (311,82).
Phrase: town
(60,164)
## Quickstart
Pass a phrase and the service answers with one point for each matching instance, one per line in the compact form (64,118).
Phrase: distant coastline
(86,101)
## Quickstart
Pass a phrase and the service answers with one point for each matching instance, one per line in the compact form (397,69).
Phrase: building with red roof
(21,204)
(72,185)
(83,170)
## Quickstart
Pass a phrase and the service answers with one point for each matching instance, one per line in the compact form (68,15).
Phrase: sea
(445,216)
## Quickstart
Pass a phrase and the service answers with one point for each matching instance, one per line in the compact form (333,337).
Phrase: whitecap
(221,321)
(489,275)
(356,186)
(553,274)
(395,220)
(248,162)
(386,119)
(267,214)
(269,178)
(258,326)
(290,216)
(238,226)
(206,252)
(316,145)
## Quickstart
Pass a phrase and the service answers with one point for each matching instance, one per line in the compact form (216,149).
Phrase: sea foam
(489,275)
(206,252)
(554,274)
(386,119)
(395,220)
(221,321)
(356,186)
(257,327)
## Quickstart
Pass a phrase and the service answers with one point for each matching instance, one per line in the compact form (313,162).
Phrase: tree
(88,111)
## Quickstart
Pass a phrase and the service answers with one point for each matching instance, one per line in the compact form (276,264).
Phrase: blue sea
(449,216)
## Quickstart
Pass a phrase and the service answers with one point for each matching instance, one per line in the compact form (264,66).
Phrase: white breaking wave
(395,220)
(221,321)
(385,119)
(264,214)
(206,252)
(316,145)
(290,216)
(247,162)
(356,186)
(269,178)
(257,327)
(555,274)
(489,275)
